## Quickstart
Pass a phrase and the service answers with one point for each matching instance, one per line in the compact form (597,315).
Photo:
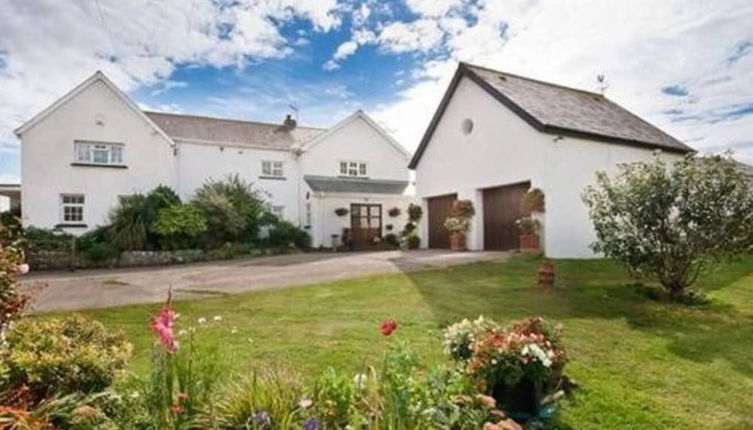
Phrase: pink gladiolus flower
(162,326)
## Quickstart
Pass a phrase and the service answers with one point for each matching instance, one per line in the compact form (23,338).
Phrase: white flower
(533,350)
(202,320)
(217,318)
(233,330)
(22,269)
(135,395)
(305,403)
(182,333)
(360,380)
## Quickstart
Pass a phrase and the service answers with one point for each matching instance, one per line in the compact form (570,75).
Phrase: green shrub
(95,245)
(42,239)
(62,356)
(132,219)
(392,240)
(412,241)
(286,235)
(179,225)
(233,209)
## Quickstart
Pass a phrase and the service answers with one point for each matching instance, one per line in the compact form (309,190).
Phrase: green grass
(641,364)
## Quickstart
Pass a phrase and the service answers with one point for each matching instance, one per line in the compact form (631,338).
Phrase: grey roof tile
(354,185)
(230,131)
(559,108)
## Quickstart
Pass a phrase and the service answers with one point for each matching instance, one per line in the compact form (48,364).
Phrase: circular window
(467,126)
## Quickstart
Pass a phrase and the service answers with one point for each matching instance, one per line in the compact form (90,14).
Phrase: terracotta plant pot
(529,242)
(457,241)
(546,274)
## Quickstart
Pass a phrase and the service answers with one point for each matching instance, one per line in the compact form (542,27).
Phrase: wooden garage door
(439,210)
(501,209)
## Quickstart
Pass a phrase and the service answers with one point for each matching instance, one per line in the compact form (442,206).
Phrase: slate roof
(559,110)
(354,185)
(230,131)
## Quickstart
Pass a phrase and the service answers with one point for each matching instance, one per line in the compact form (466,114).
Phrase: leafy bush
(42,239)
(12,301)
(528,225)
(412,241)
(179,225)
(132,219)
(392,240)
(286,235)
(62,356)
(671,224)
(233,209)
(462,209)
(95,245)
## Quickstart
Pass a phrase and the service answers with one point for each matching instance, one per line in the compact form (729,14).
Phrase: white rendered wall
(356,141)
(504,149)
(47,151)
(198,163)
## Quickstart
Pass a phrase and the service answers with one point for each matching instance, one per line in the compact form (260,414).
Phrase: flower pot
(529,242)
(457,241)
(519,401)
(546,274)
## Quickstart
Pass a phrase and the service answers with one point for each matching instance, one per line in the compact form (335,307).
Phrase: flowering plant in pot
(520,365)
(457,227)
(529,237)
(459,222)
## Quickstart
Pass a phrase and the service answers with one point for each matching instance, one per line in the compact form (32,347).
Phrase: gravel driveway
(114,287)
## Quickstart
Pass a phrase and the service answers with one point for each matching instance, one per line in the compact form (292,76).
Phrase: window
(352,168)
(272,169)
(308,214)
(99,153)
(278,211)
(72,208)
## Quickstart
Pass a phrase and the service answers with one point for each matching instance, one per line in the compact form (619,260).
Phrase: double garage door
(501,209)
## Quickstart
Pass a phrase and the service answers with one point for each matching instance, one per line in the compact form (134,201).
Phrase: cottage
(94,144)
(496,135)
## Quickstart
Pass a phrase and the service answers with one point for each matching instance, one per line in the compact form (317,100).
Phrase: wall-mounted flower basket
(394,212)
(341,211)
(389,227)
(415,212)
(533,201)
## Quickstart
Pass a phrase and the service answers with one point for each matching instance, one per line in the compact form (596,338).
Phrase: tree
(671,224)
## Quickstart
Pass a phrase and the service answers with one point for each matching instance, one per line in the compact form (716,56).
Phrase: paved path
(104,288)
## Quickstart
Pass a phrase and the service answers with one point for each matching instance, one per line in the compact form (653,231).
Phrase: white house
(94,144)
(495,135)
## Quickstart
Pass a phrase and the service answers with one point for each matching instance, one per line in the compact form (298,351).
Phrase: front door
(439,209)
(365,224)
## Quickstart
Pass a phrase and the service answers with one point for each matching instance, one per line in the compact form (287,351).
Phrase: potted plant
(459,222)
(394,212)
(457,227)
(415,212)
(412,241)
(529,237)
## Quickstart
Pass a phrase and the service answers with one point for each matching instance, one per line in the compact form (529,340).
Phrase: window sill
(71,225)
(352,177)
(274,178)
(108,166)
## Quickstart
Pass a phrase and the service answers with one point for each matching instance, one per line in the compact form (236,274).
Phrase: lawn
(641,364)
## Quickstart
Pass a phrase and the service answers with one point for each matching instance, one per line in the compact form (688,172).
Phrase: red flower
(176,409)
(388,327)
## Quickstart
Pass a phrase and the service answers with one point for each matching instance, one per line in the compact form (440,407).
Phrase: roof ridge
(272,124)
(538,81)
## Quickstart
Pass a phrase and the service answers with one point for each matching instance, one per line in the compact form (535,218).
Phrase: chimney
(289,123)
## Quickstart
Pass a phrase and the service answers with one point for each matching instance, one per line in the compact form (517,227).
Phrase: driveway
(115,287)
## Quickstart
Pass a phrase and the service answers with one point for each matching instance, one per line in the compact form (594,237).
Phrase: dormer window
(353,168)
(99,153)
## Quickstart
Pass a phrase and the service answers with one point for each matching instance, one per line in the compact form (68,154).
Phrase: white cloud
(345,50)
(330,65)
(420,35)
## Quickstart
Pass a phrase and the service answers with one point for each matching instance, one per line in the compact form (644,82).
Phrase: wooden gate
(502,207)
(365,224)
(439,210)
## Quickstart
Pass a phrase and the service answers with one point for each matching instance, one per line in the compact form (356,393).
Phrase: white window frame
(273,169)
(353,168)
(81,205)
(84,152)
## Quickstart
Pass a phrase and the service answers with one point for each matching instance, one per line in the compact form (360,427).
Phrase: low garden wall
(64,260)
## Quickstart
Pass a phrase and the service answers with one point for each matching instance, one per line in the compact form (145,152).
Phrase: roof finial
(603,84)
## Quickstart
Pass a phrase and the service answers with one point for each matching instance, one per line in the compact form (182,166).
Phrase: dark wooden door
(501,209)
(365,224)
(439,210)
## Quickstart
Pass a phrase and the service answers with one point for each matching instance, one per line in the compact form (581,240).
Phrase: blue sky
(686,66)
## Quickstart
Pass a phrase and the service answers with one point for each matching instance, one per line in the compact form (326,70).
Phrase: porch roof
(336,184)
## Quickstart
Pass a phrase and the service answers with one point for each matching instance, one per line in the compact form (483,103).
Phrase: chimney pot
(289,122)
